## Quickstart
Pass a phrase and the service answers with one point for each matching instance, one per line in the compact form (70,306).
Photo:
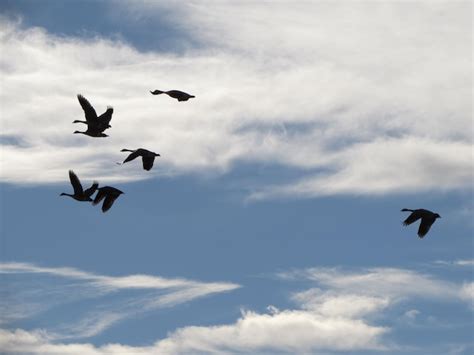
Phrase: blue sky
(270,223)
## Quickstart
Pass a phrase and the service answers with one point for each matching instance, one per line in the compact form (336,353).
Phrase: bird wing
(132,156)
(425,225)
(106,116)
(76,184)
(108,202)
(414,216)
(91,115)
(99,197)
(148,162)
(90,191)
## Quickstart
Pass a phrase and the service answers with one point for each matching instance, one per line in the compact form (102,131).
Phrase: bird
(92,132)
(175,94)
(110,194)
(79,193)
(427,219)
(93,122)
(148,157)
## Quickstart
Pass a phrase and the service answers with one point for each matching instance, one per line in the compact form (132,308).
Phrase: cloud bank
(342,310)
(348,95)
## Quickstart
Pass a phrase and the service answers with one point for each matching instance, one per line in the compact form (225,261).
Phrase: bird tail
(406,210)
(157,92)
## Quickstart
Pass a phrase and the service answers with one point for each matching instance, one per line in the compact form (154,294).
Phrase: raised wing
(148,162)
(91,115)
(76,184)
(90,191)
(425,225)
(414,216)
(106,116)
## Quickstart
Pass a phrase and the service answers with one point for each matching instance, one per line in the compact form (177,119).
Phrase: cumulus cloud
(347,95)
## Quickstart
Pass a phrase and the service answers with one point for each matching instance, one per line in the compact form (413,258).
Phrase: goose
(110,194)
(175,94)
(427,219)
(92,132)
(100,123)
(79,193)
(148,157)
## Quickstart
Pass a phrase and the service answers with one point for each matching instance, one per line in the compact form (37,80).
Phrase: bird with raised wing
(79,193)
(427,219)
(93,122)
(148,157)
(109,195)
(175,94)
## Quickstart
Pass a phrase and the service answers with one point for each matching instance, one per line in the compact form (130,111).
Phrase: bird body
(79,193)
(175,94)
(427,219)
(109,194)
(148,157)
(95,125)
(92,133)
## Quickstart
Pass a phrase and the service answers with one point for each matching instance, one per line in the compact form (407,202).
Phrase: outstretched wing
(132,156)
(108,202)
(425,225)
(99,197)
(90,191)
(106,116)
(76,184)
(148,162)
(91,115)
(414,216)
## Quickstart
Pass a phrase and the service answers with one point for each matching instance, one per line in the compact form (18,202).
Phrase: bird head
(103,135)
(157,155)
(437,215)
(77,132)
(62,194)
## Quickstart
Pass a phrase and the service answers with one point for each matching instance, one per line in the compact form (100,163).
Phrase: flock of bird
(96,125)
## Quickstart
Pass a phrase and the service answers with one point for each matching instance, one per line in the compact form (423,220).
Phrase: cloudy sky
(271,222)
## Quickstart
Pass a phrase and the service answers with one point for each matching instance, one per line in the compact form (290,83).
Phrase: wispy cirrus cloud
(348,96)
(51,287)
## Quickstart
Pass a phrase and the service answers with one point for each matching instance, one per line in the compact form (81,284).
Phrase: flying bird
(110,194)
(92,132)
(79,193)
(427,219)
(175,94)
(93,122)
(148,157)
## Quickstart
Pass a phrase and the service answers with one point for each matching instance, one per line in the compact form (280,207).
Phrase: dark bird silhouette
(427,219)
(175,94)
(93,122)
(79,193)
(92,132)
(147,157)
(110,194)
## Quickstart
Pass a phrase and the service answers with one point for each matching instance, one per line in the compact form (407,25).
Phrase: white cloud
(29,298)
(394,284)
(460,262)
(341,314)
(350,95)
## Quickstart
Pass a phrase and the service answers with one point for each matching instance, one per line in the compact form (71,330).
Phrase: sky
(271,222)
